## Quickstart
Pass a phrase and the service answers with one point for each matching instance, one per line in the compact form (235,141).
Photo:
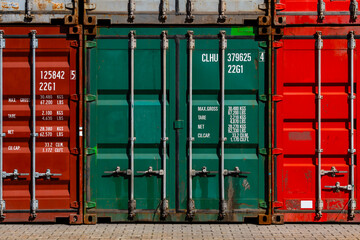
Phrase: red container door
(40,158)
(318,11)
(314,120)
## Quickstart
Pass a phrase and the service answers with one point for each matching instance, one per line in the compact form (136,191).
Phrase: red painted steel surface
(57,124)
(296,124)
(308,11)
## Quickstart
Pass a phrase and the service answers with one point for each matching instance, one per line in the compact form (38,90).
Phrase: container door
(318,11)
(315,125)
(41,11)
(130,94)
(225,123)
(40,146)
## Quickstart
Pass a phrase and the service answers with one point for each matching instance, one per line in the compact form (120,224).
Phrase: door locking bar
(337,187)
(236,171)
(118,172)
(34,205)
(164,139)
(131,10)
(352,150)
(151,172)
(321,9)
(222,203)
(47,175)
(319,46)
(333,171)
(15,175)
(2,134)
(132,201)
(222,9)
(203,172)
(191,203)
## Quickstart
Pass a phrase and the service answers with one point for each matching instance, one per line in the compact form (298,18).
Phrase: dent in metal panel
(42,11)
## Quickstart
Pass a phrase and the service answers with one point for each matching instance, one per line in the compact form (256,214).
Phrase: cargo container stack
(40,112)
(315,111)
(177,111)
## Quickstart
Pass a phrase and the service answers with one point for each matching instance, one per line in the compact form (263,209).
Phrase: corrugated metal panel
(317,12)
(38,11)
(174,11)
(316,176)
(113,185)
(41,161)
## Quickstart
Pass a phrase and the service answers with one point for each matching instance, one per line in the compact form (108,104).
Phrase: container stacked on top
(315,82)
(176,110)
(40,110)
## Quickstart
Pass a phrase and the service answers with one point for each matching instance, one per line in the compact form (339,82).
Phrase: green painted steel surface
(108,127)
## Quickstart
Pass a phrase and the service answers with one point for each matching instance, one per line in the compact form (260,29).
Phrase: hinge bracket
(74,204)
(90,205)
(262,204)
(90,151)
(277,204)
(277,151)
(278,44)
(277,98)
(90,98)
(74,151)
(263,151)
(90,44)
(90,6)
(263,98)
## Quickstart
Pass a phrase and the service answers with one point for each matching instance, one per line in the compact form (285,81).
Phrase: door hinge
(90,98)
(74,44)
(74,204)
(263,151)
(74,151)
(263,44)
(74,97)
(90,44)
(90,151)
(277,204)
(262,204)
(90,6)
(69,5)
(280,7)
(178,124)
(277,98)
(263,98)
(277,151)
(278,44)
(90,205)
(263,6)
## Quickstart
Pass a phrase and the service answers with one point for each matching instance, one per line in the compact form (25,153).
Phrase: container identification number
(52,75)
(239,57)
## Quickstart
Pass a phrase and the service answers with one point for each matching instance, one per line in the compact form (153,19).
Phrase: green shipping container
(176,124)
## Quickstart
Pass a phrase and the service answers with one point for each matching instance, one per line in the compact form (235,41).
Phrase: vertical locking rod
(320,204)
(165,46)
(191,203)
(352,203)
(223,204)
(2,201)
(34,203)
(132,201)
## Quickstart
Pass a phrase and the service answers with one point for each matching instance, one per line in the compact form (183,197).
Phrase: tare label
(237,126)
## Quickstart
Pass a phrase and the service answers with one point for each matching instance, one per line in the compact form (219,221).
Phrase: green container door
(155,167)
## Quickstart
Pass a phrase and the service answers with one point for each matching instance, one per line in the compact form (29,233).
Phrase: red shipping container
(41,154)
(316,12)
(315,125)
